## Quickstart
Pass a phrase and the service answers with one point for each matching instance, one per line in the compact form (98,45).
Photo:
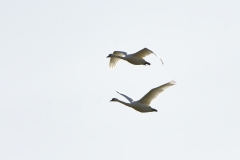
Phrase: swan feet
(147,63)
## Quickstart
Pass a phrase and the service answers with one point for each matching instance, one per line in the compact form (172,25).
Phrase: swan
(136,58)
(142,105)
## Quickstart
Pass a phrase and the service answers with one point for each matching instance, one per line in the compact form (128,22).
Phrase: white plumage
(142,105)
(136,58)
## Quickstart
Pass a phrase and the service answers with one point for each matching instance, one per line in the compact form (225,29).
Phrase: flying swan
(136,58)
(142,105)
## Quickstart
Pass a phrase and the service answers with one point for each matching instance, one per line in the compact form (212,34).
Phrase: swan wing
(128,98)
(114,60)
(153,93)
(145,52)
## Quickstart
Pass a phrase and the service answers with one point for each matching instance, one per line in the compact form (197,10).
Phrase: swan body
(142,105)
(136,58)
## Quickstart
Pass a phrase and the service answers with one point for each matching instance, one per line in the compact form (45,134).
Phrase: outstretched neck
(127,104)
(118,56)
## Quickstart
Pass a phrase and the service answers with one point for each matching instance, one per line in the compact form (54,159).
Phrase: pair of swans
(142,105)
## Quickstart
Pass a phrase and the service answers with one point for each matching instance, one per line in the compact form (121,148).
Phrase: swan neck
(127,104)
(118,56)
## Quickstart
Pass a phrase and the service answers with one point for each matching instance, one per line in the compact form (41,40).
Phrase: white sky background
(56,84)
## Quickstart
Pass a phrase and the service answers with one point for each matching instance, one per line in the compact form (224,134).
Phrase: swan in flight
(142,105)
(136,58)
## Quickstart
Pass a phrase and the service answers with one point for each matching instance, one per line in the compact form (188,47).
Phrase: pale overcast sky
(56,84)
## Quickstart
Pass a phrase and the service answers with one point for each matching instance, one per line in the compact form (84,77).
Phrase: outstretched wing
(114,60)
(128,98)
(153,93)
(145,52)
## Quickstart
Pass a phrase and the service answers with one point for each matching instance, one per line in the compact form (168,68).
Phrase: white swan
(136,58)
(142,105)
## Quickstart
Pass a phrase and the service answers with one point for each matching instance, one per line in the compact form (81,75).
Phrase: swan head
(147,63)
(114,100)
(153,110)
(109,56)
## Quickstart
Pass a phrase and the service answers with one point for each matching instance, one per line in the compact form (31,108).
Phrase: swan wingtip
(173,82)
